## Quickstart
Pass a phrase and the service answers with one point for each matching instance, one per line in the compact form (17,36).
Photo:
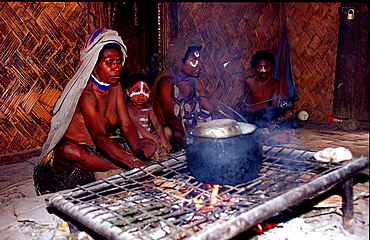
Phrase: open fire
(164,201)
(264,226)
(199,201)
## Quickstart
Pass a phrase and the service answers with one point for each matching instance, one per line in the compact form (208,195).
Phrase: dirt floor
(304,220)
(318,218)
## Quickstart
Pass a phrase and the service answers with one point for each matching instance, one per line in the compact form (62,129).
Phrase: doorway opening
(137,24)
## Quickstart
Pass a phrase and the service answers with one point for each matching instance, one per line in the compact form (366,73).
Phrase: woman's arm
(127,126)
(166,101)
(95,124)
(159,129)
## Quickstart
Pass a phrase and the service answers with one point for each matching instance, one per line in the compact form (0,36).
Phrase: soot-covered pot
(224,152)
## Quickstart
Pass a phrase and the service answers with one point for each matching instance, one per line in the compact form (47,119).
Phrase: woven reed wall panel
(243,28)
(229,29)
(39,51)
(313,34)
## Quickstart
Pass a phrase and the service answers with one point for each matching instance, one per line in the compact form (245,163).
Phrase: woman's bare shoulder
(166,79)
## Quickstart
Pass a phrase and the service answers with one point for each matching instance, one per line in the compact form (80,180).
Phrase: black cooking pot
(225,160)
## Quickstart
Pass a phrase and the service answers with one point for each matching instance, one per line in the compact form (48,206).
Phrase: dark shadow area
(74,226)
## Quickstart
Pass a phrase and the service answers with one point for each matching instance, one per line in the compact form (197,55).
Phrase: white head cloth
(66,105)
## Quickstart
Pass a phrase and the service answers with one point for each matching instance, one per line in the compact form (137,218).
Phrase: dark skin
(163,103)
(261,91)
(139,108)
(95,112)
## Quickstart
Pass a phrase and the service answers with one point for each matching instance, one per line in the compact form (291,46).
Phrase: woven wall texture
(244,27)
(40,43)
(39,51)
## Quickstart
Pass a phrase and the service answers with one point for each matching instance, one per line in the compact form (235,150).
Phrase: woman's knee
(66,149)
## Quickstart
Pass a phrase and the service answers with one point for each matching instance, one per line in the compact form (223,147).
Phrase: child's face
(263,69)
(139,93)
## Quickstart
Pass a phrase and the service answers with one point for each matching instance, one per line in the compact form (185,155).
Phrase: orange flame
(212,201)
(259,228)
(264,226)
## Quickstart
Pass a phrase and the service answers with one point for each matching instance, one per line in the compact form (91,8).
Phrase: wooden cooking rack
(157,201)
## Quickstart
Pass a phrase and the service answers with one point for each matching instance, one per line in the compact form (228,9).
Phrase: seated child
(142,114)
(260,102)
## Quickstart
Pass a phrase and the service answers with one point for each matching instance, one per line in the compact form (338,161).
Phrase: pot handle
(189,141)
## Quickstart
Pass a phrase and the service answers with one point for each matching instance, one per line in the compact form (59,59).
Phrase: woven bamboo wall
(40,43)
(244,27)
(313,34)
(39,51)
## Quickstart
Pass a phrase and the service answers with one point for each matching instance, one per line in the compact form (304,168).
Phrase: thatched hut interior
(40,44)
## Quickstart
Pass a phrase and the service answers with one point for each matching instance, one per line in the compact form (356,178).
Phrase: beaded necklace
(184,79)
(262,83)
(100,85)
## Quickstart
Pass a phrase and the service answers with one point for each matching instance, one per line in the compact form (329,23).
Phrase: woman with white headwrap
(78,143)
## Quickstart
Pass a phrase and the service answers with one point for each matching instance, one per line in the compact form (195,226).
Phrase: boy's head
(262,64)
(262,55)
(138,88)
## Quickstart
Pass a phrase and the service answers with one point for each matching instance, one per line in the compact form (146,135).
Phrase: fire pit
(164,201)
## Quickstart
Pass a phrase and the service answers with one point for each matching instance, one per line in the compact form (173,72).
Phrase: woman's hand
(166,146)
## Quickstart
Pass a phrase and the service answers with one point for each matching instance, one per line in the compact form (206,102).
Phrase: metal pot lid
(246,128)
(218,128)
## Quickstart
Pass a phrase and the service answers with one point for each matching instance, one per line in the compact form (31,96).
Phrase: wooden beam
(347,204)
(351,87)
(19,157)
(97,15)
